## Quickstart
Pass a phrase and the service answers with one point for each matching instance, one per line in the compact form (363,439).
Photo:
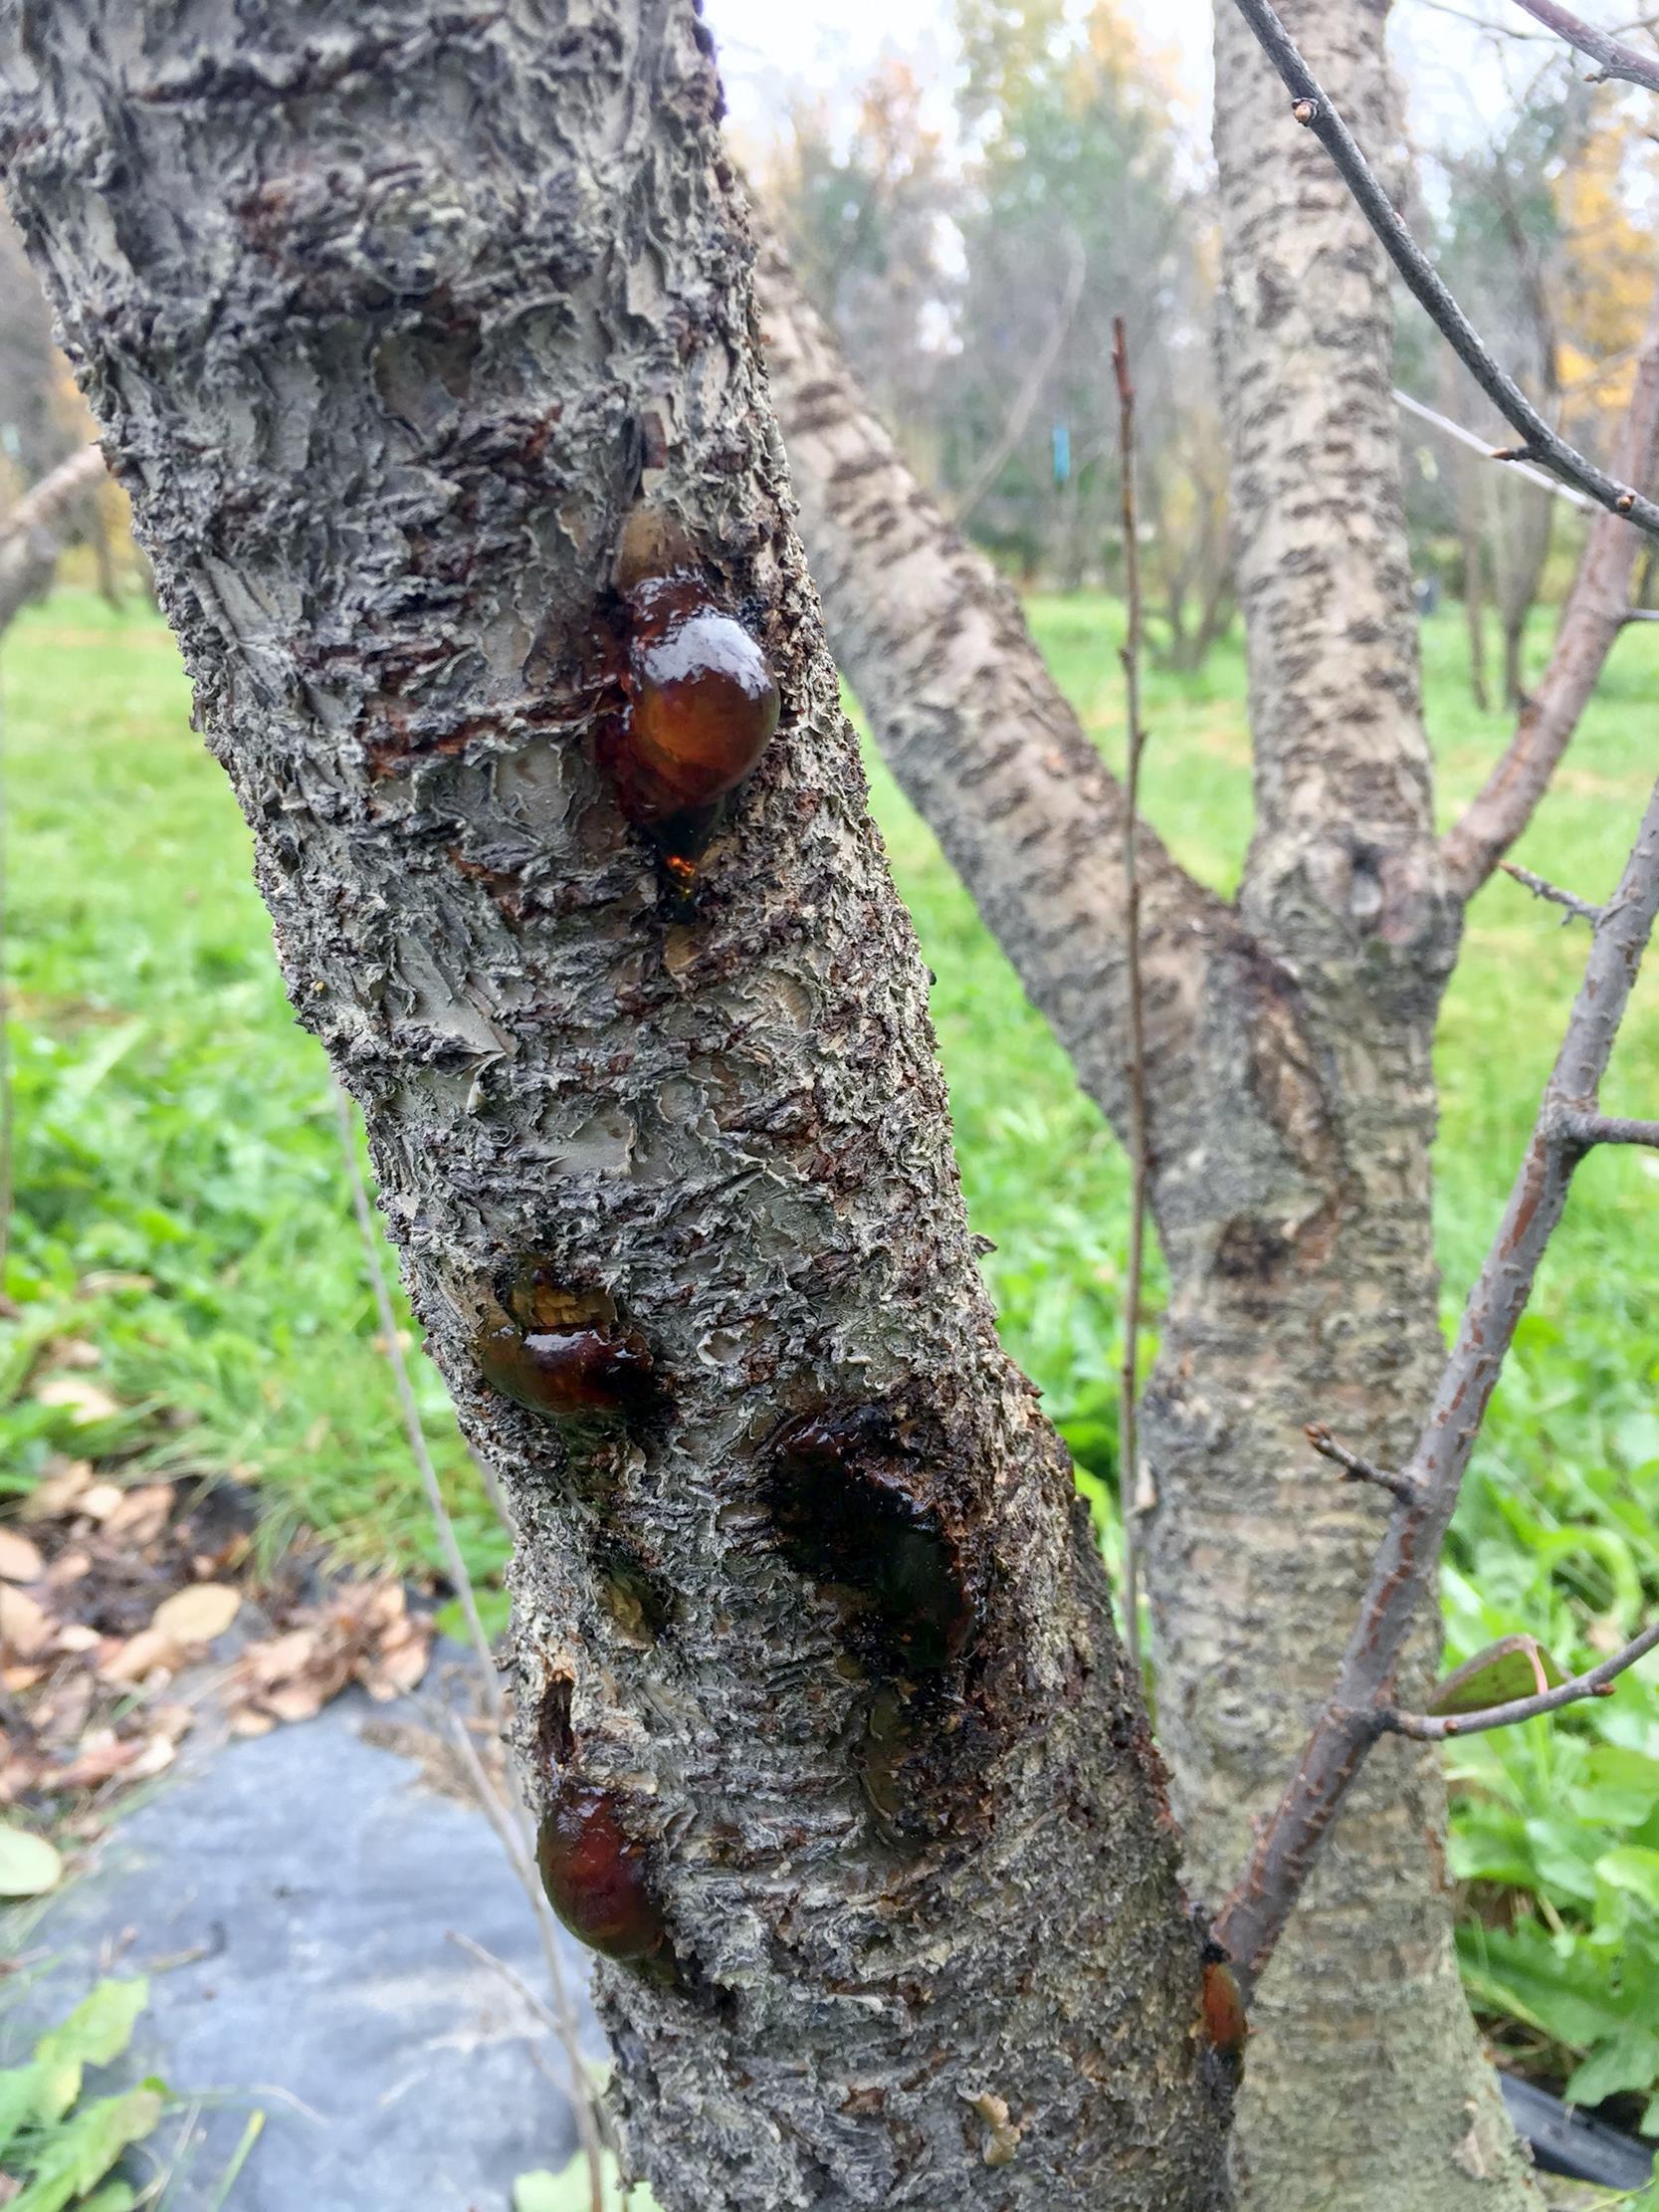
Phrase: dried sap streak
(850,1509)
(594,1872)
(851,1503)
(700,705)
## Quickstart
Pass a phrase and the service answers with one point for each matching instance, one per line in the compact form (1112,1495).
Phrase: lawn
(182,1204)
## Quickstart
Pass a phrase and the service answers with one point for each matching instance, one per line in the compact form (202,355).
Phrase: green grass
(174,1125)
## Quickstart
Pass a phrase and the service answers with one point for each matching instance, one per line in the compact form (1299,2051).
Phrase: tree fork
(424,346)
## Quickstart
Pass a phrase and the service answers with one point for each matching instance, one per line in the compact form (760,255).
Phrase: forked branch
(1596,613)
(1611,56)
(1362,1706)
(1596,1682)
(1312,108)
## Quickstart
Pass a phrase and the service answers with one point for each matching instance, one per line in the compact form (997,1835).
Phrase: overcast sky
(1454,73)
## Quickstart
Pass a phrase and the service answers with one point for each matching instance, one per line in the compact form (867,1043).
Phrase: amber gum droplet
(704,703)
(1223,2005)
(595,1874)
(563,1351)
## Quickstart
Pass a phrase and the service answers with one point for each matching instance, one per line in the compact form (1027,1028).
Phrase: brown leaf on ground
(100,1499)
(141,1515)
(360,1632)
(26,1628)
(70,1351)
(56,1494)
(84,1400)
(198,1613)
(20,1561)
(140,1657)
(103,1754)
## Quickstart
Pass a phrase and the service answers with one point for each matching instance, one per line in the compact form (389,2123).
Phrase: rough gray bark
(1291,1094)
(390,319)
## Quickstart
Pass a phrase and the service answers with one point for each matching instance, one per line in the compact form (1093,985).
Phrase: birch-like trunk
(1290,1093)
(393,317)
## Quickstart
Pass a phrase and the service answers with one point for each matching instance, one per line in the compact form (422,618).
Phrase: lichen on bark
(392,319)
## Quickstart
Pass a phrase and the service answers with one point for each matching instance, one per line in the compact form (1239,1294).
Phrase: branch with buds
(1312,108)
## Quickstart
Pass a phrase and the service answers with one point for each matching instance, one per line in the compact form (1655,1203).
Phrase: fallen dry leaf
(86,1401)
(102,1755)
(16,1679)
(72,1351)
(20,1561)
(142,1655)
(55,1494)
(112,1279)
(101,1500)
(68,1566)
(141,1515)
(76,1635)
(156,1753)
(25,1626)
(198,1613)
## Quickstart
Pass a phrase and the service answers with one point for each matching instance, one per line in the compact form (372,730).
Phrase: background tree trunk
(1291,1090)
(391,319)
(1312,1291)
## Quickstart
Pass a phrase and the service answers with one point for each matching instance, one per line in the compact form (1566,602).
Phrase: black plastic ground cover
(1572,2143)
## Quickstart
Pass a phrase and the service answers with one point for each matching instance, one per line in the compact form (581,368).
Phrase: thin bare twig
(1591,623)
(1361,1702)
(1354,1467)
(507,1817)
(1482,446)
(460,1580)
(509,1822)
(1312,108)
(1541,888)
(1597,1683)
(1589,1130)
(1128,1423)
(1031,386)
(1613,56)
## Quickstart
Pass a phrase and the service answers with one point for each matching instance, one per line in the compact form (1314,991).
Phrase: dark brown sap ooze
(595,1874)
(849,1505)
(694,706)
(563,1351)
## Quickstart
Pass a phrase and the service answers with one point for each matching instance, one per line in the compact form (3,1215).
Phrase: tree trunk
(1314,1295)
(1291,1096)
(1524,517)
(394,320)
(33,535)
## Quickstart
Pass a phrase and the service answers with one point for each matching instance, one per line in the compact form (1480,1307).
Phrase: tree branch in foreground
(1613,56)
(1482,446)
(1540,887)
(1313,108)
(1597,1683)
(1360,1708)
(1135,740)
(1596,612)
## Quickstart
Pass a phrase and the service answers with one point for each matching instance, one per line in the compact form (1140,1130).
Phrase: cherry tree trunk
(1290,1090)
(422,336)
